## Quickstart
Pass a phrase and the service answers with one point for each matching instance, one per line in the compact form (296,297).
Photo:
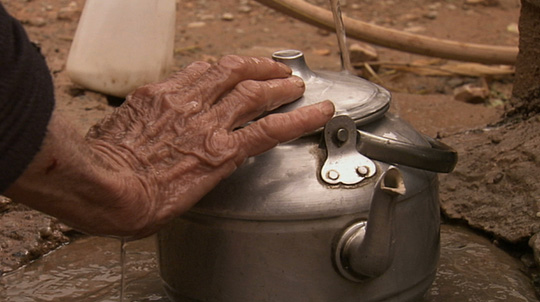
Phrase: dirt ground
(494,187)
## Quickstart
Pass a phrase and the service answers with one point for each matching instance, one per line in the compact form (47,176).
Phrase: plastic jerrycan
(120,45)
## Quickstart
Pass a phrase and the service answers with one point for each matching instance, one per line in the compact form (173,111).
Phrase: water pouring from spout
(346,65)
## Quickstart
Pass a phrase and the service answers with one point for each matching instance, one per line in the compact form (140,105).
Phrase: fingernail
(327,108)
(297,81)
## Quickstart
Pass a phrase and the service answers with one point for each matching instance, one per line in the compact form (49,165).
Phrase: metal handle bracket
(344,164)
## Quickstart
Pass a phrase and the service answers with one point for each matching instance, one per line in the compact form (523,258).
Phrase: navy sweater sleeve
(26,99)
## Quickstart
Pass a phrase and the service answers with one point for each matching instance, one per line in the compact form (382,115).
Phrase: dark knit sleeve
(26,99)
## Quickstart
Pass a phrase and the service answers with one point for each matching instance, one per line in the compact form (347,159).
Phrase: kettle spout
(366,249)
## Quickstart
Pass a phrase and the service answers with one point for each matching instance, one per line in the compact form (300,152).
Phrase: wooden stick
(395,39)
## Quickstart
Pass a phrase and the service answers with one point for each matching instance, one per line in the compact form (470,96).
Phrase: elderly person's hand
(165,147)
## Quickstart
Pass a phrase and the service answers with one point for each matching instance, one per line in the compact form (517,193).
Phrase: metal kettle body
(346,214)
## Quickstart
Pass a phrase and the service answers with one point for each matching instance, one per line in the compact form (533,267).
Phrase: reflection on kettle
(349,213)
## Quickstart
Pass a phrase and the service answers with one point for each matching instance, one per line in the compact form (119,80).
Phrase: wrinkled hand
(170,143)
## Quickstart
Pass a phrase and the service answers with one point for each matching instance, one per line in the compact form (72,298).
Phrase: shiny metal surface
(366,249)
(355,97)
(274,230)
(438,157)
(343,163)
(284,183)
(205,258)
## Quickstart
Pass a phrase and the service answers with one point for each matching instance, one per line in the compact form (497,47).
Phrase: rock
(196,24)
(431,15)
(361,52)
(415,29)
(323,32)
(207,17)
(4,203)
(471,94)
(322,51)
(227,17)
(244,9)
(534,243)
(45,232)
(434,6)
(408,17)
(37,22)
(26,235)
(69,13)
(505,204)
(455,82)
(513,28)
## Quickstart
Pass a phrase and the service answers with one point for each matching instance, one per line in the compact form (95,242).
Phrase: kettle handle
(439,157)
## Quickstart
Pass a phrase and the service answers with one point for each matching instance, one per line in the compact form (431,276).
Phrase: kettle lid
(353,96)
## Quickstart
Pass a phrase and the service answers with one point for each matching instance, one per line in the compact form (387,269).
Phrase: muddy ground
(494,187)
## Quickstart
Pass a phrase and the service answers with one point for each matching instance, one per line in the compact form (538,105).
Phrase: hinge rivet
(362,170)
(333,174)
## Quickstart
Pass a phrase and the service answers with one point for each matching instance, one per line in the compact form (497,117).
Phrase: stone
(434,6)
(37,22)
(431,15)
(196,24)
(408,17)
(244,9)
(227,17)
(322,51)
(207,17)
(4,203)
(415,29)
(513,28)
(69,13)
(534,243)
(504,205)
(471,94)
(323,32)
(361,52)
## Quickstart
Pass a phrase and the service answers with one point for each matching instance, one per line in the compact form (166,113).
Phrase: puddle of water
(88,270)
(471,269)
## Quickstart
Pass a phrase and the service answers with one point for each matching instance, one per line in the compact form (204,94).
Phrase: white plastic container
(120,45)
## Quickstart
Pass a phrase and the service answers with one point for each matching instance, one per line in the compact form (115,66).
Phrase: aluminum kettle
(348,213)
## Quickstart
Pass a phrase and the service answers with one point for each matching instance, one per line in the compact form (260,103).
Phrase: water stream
(123,246)
(341,35)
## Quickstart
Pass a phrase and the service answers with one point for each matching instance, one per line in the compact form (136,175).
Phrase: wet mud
(471,268)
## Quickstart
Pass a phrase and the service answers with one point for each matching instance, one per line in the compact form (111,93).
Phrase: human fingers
(186,76)
(273,129)
(147,109)
(231,70)
(250,99)
(179,80)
